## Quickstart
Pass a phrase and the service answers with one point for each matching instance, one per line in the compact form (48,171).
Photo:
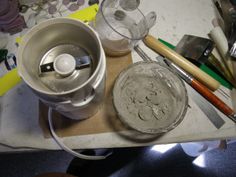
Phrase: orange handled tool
(204,91)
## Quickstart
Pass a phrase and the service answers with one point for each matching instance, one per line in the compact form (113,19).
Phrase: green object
(3,54)
(167,44)
(204,68)
(220,79)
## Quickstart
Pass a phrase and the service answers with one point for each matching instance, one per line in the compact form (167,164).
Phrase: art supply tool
(160,48)
(204,91)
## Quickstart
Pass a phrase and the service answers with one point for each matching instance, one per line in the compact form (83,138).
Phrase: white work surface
(19,107)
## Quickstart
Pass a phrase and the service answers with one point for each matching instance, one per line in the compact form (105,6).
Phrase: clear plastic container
(119,26)
(148,97)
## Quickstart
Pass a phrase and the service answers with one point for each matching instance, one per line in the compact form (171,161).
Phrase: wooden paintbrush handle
(163,50)
(200,88)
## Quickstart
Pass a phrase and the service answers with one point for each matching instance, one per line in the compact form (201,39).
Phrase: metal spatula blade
(207,109)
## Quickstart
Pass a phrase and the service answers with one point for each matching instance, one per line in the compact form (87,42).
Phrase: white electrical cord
(67,149)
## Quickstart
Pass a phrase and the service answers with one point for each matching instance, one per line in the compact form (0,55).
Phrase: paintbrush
(204,91)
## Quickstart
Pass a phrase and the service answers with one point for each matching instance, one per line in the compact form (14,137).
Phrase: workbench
(19,127)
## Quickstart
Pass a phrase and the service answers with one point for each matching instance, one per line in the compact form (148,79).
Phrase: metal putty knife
(207,109)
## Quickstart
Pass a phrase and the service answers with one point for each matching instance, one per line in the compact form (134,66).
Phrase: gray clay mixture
(149,98)
(146,98)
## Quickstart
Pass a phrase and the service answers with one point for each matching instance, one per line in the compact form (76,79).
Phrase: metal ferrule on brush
(179,71)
